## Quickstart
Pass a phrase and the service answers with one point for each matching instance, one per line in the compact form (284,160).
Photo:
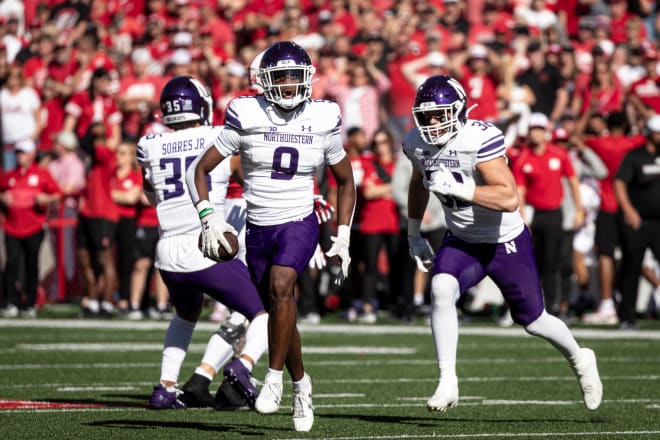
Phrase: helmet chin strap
(467,112)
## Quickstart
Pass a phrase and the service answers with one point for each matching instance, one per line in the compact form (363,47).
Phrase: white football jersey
(280,154)
(476,142)
(165,158)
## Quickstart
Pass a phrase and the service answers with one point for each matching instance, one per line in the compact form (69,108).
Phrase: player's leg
(513,269)
(455,270)
(187,302)
(295,245)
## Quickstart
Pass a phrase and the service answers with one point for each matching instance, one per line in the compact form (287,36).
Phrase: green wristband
(204,212)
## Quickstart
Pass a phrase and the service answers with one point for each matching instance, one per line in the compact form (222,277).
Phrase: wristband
(344,232)
(204,208)
(414,224)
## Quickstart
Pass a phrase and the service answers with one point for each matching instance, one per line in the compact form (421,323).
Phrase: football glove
(420,250)
(213,230)
(318,260)
(339,248)
(322,209)
(452,184)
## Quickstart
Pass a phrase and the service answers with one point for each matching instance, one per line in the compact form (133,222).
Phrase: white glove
(322,209)
(318,259)
(421,251)
(339,248)
(452,184)
(213,230)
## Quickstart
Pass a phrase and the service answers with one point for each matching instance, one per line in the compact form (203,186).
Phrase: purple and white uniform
(280,155)
(187,273)
(480,241)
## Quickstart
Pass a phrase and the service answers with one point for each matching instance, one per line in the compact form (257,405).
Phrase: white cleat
(586,370)
(445,396)
(302,410)
(269,398)
(601,317)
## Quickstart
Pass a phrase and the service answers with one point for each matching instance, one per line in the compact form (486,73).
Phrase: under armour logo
(308,128)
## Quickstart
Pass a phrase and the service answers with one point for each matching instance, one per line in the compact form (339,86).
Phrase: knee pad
(445,290)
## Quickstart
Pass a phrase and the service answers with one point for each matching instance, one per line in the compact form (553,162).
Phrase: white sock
(107,306)
(203,372)
(303,384)
(217,352)
(247,364)
(274,375)
(606,305)
(444,322)
(177,339)
(236,318)
(93,305)
(256,338)
(556,332)
(418,298)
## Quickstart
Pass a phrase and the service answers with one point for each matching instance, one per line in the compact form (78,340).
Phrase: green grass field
(75,379)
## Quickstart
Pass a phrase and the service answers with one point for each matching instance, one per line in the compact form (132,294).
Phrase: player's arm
(418,198)
(499,191)
(343,174)
(236,169)
(197,172)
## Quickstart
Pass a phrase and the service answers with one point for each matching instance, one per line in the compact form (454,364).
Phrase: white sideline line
(200,348)
(329,328)
(485,434)
(106,388)
(338,395)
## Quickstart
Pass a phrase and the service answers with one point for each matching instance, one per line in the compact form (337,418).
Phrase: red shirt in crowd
(52,121)
(147,216)
(647,90)
(96,201)
(480,90)
(541,175)
(23,216)
(380,215)
(144,89)
(612,149)
(131,180)
(103,108)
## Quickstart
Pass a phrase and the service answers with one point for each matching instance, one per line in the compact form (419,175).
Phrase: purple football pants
(227,282)
(511,265)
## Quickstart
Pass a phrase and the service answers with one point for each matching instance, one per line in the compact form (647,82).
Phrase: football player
(282,137)
(462,161)
(164,157)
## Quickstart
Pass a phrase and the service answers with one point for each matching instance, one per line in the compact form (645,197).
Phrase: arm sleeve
(228,141)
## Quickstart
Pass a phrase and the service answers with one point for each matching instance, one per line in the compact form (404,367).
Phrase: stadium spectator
(644,95)
(95,106)
(611,144)
(68,170)
(125,190)
(637,189)
(546,83)
(538,171)
(25,193)
(379,226)
(19,108)
(97,225)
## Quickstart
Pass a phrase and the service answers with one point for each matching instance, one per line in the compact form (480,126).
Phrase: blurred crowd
(81,81)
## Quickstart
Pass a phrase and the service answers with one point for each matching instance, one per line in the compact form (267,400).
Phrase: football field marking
(486,435)
(352,329)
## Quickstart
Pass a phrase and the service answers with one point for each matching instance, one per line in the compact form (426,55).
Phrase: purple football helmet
(285,66)
(186,99)
(440,109)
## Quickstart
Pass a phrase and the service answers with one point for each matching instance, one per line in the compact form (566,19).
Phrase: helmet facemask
(288,84)
(438,124)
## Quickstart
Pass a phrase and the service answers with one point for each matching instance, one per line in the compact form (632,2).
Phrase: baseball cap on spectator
(554,49)
(235,68)
(141,55)
(67,139)
(560,135)
(25,146)
(325,16)
(181,57)
(436,59)
(182,39)
(538,120)
(478,52)
(653,124)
